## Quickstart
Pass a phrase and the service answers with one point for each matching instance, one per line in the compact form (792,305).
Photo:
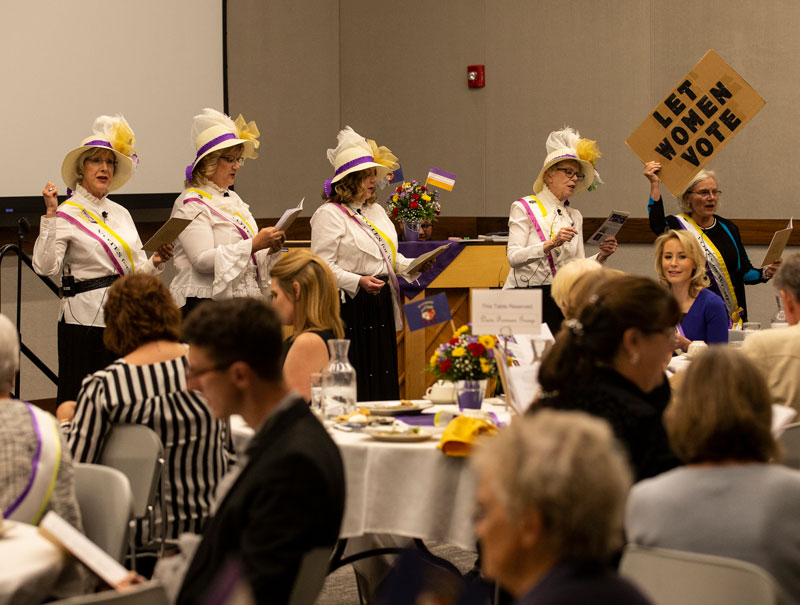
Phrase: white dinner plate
(395,408)
(415,435)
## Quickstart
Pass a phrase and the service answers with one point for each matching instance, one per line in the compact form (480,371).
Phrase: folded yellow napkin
(460,434)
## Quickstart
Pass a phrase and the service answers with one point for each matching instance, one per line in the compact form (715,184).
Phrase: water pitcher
(339,380)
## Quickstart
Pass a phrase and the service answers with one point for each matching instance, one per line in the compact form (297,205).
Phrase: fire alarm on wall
(476,76)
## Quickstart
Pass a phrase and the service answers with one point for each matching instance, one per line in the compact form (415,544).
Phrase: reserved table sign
(506,311)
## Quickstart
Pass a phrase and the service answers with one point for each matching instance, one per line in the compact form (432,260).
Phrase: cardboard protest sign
(697,118)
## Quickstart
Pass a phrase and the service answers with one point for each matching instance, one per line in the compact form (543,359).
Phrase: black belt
(71,289)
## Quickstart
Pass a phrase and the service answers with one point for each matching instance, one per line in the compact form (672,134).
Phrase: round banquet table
(29,564)
(403,489)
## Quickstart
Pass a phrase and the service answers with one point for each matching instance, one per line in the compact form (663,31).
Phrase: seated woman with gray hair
(729,267)
(551,496)
(729,500)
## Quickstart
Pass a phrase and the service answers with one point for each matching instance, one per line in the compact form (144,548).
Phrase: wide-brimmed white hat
(353,153)
(213,130)
(112,133)
(567,144)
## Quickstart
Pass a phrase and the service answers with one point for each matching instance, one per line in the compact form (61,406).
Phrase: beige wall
(396,72)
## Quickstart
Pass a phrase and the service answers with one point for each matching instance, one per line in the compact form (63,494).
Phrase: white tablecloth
(404,489)
(29,564)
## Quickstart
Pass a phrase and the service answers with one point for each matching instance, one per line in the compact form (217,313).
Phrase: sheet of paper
(782,416)
(422,259)
(506,311)
(610,227)
(61,533)
(167,234)
(777,245)
(288,217)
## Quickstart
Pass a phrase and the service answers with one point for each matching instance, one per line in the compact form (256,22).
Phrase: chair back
(149,593)
(311,575)
(106,503)
(137,451)
(790,440)
(674,577)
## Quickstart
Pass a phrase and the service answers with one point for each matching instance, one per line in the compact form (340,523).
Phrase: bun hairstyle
(594,336)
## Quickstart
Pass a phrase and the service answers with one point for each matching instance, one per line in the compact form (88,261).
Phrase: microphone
(105,214)
(559,211)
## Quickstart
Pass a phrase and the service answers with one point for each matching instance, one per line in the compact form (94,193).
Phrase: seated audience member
(681,267)
(426,231)
(286,496)
(567,276)
(25,480)
(305,296)
(776,352)
(147,385)
(609,361)
(728,500)
(551,496)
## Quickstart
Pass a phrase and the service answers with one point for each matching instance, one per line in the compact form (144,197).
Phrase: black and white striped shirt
(197,448)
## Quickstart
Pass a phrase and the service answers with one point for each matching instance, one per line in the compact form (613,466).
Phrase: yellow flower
(459,352)
(460,331)
(434,359)
(394,197)
(486,365)
(487,340)
(426,197)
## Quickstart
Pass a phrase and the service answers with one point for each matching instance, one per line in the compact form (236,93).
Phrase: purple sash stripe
(242,232)
(34,464)
(83,228)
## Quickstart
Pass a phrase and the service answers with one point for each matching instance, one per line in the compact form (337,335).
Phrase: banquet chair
(136,450)
(674,577)
(106,502)
(790,440)
(149,593)
(311,575)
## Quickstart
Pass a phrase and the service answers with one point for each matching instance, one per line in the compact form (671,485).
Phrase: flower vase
(470,393)
(411,229)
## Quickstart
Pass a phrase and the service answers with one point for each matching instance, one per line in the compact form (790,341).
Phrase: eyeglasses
(231,160)
(193,373)
(111,163)
(571,173)
(708,192)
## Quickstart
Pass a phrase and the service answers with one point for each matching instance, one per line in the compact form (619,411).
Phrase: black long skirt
(369,325)
(80,352)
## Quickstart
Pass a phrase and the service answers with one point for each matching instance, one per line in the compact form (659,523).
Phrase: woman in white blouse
(222,253)
(544,231)
(355,236)
(94,243)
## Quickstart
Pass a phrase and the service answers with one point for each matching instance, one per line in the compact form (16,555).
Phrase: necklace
(711,226)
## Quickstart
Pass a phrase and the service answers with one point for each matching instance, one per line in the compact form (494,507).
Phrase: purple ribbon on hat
(98,143)
(215,141)
(344,167)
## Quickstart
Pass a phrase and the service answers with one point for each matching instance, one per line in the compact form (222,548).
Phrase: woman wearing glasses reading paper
(222,253)
(727,264)
(544,231)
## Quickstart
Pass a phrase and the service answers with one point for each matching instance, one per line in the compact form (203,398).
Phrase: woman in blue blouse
(680,265)
(728,266)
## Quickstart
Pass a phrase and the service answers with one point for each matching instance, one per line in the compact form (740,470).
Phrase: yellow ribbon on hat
(460,434)
(383,156)
(249,132)
(121,138)
(588,150)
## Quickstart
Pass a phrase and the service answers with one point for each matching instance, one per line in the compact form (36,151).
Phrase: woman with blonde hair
(305,296)
(680,266)
(566,279)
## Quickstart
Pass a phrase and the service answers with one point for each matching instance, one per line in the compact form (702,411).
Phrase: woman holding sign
(727,264)
(93,244)
(355,236)
(222,253)
(544,232)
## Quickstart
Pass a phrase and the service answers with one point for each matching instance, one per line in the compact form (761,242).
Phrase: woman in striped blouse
(147,385)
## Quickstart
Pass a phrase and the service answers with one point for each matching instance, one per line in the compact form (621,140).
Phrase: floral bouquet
(465,357)
(414,202)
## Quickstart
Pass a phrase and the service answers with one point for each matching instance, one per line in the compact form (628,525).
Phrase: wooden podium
(479,265)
